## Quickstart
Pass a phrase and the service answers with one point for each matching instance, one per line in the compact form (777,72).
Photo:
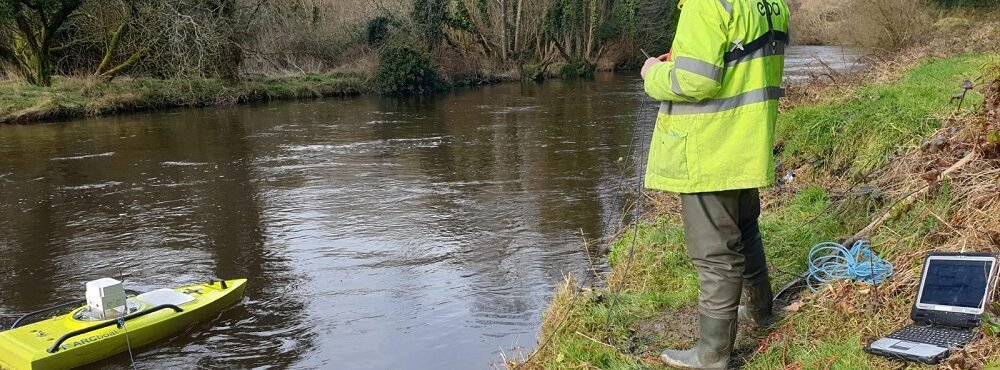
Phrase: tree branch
(111,73)
(7,55)
(909,198)
(11,58)
(109,51)
(26,32)
(58,19)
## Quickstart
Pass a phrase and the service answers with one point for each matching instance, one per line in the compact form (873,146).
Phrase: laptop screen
(959,283)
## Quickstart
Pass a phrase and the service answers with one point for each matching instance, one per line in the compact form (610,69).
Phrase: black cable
(618,193)
(121,321)
(635,230)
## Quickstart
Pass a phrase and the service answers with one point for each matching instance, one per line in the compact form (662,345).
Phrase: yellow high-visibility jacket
(719,94)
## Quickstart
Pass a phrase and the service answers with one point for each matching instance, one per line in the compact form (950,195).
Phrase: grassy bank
(855,153)
(80,97)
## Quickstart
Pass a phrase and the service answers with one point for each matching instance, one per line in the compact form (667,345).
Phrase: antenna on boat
(121,320)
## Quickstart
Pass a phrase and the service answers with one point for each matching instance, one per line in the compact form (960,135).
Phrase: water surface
(376,233)
(807,62)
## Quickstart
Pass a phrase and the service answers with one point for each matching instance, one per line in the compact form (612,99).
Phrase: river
(376,233)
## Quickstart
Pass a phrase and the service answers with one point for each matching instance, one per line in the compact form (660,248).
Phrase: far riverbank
(78,97)
(75,97)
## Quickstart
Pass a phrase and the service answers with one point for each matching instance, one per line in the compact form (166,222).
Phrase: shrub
(377,30)
(404,70)
(576,70)
(430,17)
(532,72)
(812,21)
(883,24)
(952,25)
(461,19)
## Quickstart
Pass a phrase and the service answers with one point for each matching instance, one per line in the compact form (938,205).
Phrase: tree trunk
(43,65)
(231,56)
(591,24)
(517,28)
(36,62)
(503,30)
(43,70)
(562,51)
(109,51)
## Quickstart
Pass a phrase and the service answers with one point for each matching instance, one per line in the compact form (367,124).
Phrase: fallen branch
(595,340)
(907,200)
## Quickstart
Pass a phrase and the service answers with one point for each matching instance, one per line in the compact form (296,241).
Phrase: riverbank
(858,152)
(76,97)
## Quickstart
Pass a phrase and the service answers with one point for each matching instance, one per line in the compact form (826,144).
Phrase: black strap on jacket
(761,42)
(770,22)
(771,38)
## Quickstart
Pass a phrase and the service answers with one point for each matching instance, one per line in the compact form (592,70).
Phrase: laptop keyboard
(941,337)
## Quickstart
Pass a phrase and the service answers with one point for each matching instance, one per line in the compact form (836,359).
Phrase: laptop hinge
(953,319)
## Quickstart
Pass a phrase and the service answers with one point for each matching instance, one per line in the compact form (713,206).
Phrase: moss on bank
(828,144)
(79,97)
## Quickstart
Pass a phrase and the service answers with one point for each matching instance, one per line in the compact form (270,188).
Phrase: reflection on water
(376,233)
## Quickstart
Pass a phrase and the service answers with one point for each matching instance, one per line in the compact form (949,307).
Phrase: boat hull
(30,347)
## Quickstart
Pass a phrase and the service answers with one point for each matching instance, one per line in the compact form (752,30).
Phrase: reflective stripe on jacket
(719,94)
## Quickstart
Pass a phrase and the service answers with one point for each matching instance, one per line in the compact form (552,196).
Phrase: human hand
(665,57)
(649,64)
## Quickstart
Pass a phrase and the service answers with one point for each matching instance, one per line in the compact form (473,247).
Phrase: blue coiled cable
(831,261)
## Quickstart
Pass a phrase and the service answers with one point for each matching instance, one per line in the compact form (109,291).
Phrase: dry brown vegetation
(952,180)
(887,25)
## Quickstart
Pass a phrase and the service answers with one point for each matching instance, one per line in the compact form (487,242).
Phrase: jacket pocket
(668,154)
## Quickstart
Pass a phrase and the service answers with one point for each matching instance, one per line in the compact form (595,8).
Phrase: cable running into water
(643,153)
(643,105)
(121,322)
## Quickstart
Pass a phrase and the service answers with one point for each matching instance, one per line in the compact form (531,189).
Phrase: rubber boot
(759,309)
(713,349)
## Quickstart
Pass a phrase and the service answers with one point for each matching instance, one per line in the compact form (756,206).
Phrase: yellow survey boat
(77,338)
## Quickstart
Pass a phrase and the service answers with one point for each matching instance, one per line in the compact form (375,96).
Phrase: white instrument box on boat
(105,294)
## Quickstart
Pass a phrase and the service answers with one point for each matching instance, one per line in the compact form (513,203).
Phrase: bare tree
(27,32)
(125,31)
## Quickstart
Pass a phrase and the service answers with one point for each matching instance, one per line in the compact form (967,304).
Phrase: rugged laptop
(953,294)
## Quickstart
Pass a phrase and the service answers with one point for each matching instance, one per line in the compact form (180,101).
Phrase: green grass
(661,279)
(77,97)
(832,333)
(658,278)
(844,135)
(857,133)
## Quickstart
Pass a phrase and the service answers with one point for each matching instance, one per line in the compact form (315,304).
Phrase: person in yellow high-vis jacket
(713,144)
